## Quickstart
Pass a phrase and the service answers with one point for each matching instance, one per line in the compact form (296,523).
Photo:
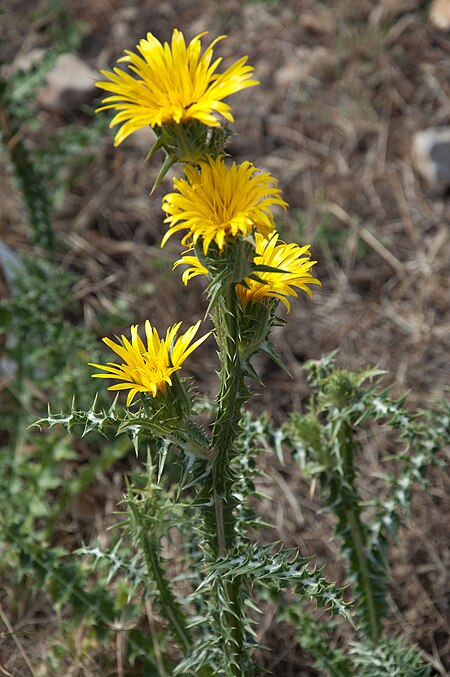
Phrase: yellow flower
(217,202)
(197,268)
(174,84)
(291,260)
(148,369)
(294,267)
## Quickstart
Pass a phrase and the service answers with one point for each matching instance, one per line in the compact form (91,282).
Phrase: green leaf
(280,570)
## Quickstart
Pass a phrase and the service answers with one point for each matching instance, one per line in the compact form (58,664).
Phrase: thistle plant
(225,212)
(178,93)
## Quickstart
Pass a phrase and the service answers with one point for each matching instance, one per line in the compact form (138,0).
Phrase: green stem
(218,510)
(232,395)
(31,182)
(358,538)
(171,609)
(359,549)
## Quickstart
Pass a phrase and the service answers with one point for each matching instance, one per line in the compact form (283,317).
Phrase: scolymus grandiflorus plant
(196,480)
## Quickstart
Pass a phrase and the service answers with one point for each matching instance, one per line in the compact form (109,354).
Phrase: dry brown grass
(343,87)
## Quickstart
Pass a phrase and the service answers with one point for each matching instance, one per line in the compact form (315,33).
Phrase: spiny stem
(31,182)
(166,597)
(363,571)
(218,509)
(232,395)
(357,532)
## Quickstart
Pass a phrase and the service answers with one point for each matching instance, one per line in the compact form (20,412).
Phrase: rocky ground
(353,118)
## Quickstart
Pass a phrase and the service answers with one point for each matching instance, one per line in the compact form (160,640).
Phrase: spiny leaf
(99,421)
(390,658)
(167,164)
(186,436)
(326,448)
(313,636)
(281,570)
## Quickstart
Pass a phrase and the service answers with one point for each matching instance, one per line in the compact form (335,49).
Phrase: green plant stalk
(22,397)
(229,414)
(363,571)
(30,181)
(232,395)
(171,609)
(357,532)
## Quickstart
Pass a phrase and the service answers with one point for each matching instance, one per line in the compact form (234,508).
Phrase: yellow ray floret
(293,263)
(148,368)
(215,202)
(196,268)
(173,84)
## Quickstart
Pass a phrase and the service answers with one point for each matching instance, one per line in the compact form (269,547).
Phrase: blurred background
(353,118)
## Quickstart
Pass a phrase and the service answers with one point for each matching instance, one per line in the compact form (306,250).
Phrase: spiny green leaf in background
(280,570)
(389,659)
(323,441)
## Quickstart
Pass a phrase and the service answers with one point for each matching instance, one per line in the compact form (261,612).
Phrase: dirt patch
(344,86)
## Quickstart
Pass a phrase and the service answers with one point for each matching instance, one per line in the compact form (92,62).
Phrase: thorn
(168,162)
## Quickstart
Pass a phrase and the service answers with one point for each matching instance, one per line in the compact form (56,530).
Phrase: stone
(306,63)
(121,24)
(317,22)
(25,61)
(69,84)
(439,14)
(392,7)
(431,157)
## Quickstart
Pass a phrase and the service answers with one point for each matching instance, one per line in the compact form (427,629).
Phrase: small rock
(121,24)
(440,14)
(317,22)
(392,7)
(24,62)
(431,157)
(307,63)
(200,25)
(69,84)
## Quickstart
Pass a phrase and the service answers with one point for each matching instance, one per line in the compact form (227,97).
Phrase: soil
(344,86)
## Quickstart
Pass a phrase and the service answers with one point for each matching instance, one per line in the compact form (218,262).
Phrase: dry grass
(343,88)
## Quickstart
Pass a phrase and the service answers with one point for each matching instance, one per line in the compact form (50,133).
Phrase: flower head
(196,268)
(148,368)
(293,264)
(216,202)
(174,84)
